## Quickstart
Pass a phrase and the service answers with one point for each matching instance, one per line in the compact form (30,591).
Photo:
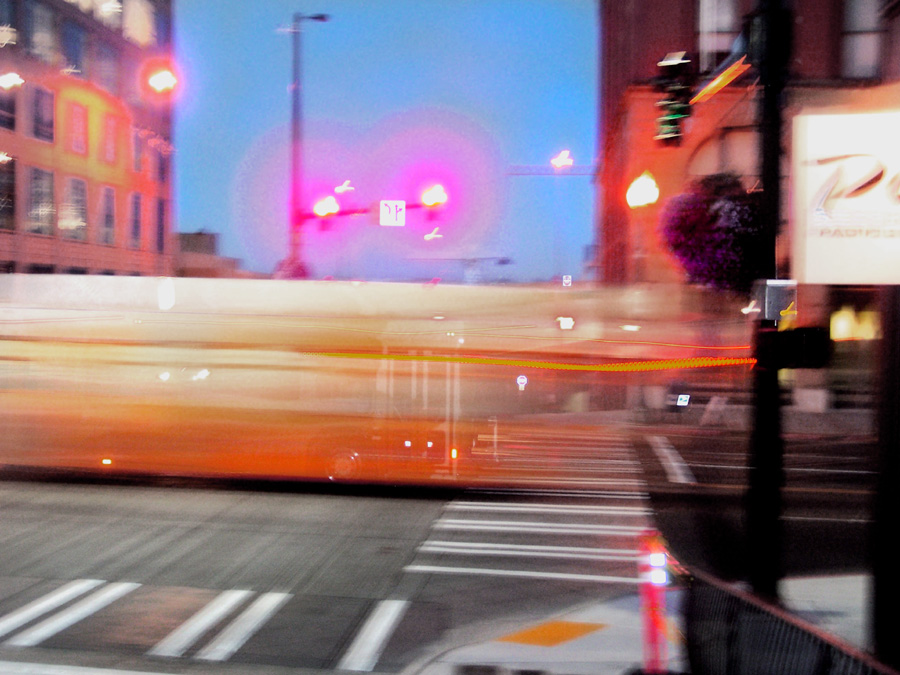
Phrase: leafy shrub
(714,230)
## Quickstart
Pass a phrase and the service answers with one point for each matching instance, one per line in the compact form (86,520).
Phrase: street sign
(392,213)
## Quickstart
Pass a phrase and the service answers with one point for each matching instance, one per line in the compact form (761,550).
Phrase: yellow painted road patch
(552,633)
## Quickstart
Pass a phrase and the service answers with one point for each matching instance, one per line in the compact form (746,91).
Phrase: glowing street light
(10,80)
(162,81)
(643,191)
(326,207)
(563,159)
(434,196)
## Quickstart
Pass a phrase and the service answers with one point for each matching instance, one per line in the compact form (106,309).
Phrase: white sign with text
(846,199)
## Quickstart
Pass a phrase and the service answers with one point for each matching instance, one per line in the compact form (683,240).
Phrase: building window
(7,109)
(108,216)
(111,139)
(139,22)
(73,41)
(109,12)
(107,68)
(160,226)
(719,24)
(73,215)
(43,115)
(8,24)
(8,195)
(162,167)
(137,151)
(861,41)
(42,207)
(135,240)
(78,128)
(41,30)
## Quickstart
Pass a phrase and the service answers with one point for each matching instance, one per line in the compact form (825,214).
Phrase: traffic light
(675,82)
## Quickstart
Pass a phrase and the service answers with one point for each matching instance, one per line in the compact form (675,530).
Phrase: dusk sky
(397,94)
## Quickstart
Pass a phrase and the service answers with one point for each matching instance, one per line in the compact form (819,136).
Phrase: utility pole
(770,48)
(296,268)
(885,582)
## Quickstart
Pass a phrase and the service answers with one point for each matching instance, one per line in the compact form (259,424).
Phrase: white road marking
(582,494)
(828,520)
(530,550)
(68,617)
(22,668)
(534,527)
(368,644)
(182,638)
(431,569)
(550,508)
(46,603)
(797,469)
(676,470)
(243,627)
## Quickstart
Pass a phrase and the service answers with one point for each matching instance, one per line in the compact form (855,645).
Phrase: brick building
(85,144)
(845,57)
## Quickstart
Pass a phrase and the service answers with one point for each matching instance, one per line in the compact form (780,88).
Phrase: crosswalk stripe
(68,617)
(531,551)
(534,527)
(565,576)
(182,638)
(45,604)
(369,642)
(550,508)
(243,627)
(581,494)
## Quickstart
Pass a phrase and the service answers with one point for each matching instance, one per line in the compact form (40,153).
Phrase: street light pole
(296,268)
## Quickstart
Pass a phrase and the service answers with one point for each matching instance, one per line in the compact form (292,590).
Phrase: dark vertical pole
(885,581)
(763,508)
(295,262)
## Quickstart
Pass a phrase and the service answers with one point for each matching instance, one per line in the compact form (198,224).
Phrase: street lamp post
(296,268)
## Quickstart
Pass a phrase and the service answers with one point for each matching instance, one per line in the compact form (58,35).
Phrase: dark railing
(730,632)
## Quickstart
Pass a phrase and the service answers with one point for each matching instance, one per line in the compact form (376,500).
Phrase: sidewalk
(606,638)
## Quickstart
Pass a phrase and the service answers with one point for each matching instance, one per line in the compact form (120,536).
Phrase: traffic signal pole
(886,508)
(766,476)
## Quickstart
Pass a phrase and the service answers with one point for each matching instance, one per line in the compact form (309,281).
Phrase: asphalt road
(171,578)
(827,499)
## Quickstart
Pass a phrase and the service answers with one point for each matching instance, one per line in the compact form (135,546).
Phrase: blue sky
(396,94)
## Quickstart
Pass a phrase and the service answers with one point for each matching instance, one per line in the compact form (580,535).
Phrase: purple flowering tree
(714,231)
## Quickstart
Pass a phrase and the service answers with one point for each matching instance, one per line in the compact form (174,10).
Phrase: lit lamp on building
(642,192)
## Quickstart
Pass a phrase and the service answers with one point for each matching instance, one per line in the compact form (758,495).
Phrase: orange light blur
(621,367)
(725,78)
(163,80)
(643,191)
(106,461)
(453,453)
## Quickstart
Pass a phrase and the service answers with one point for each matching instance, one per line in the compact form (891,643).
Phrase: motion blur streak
(625,367)
(333,381)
